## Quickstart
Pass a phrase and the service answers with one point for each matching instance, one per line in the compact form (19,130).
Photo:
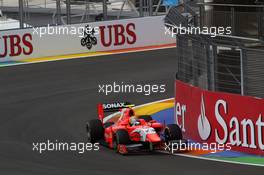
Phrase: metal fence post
(194,62)
(88,8)
(58,9)
(261,23)
(184,7)
(233,22)
(178,56)
(68,10)
(213,65)
(210,66)
(21,14)
(141,8)
(150,7)
(202,15)
(242,85)
(105,9)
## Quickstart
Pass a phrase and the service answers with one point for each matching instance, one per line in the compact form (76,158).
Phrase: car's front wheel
(121,140)
(172,132)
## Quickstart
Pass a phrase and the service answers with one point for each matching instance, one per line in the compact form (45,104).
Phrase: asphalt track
(53,100)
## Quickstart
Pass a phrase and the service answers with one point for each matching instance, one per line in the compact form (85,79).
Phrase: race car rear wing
(102,108)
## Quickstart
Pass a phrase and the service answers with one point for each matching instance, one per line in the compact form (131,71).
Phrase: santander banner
(83,38)
(220,118)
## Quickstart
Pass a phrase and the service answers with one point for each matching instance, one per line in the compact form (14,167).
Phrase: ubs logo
(15,45)
(89,40)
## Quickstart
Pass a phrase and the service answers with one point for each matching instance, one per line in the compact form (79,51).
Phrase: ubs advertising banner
(83,38)
(220,118)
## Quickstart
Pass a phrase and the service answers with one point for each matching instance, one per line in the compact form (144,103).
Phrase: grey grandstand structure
(228,63)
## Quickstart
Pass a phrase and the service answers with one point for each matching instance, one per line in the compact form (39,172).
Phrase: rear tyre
(172,132)
(95,130)
(147,118)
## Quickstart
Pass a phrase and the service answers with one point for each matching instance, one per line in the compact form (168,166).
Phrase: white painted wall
(149,31)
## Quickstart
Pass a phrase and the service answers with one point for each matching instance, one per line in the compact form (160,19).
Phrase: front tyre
(122,137)
(121,140)
(95,130)
(172,132)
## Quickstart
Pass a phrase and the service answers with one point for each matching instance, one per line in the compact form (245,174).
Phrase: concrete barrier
(48,41)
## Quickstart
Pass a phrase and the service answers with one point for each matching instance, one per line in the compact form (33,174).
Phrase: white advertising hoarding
(70,39)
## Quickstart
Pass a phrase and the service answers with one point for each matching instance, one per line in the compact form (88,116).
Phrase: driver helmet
(129,112)
(133,121)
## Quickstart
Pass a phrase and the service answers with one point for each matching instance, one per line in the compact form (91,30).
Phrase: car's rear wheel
(95,130)
(147,118)
(172,132)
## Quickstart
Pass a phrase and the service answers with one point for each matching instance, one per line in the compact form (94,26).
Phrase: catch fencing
(205,62)
(226,63)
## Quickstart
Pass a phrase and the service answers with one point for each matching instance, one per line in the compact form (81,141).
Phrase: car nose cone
(153,138)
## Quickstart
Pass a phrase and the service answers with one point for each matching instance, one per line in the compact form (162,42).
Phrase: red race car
(130,133)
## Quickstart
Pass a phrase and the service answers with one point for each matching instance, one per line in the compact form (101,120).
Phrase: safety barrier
(221,118)
(99,36)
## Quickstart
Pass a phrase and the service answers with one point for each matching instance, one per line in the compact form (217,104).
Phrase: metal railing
(231,15)
(227,63)
(227,66)
(57,12)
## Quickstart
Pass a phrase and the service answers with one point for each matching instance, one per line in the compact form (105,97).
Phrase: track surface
(53,100)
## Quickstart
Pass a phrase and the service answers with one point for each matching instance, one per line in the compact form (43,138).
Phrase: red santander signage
(16,45)
(221,118)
